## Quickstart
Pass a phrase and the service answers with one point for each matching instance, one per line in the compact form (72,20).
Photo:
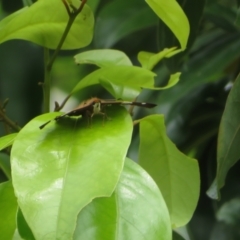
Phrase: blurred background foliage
(192,108)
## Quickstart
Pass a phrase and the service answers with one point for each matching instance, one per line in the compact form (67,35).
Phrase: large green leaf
(44,22)
(136,210)
(173,16)
(124,82)
(60,169)
(176,174)
(127,80)
(8,206)
(228,152)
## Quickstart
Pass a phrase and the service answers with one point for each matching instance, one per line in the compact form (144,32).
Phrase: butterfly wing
(78,111)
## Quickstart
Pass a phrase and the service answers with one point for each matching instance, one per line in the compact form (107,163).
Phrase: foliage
(74,179)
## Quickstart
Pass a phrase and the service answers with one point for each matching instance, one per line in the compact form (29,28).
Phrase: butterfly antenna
(140,104)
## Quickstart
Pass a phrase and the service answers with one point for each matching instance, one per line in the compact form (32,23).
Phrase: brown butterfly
(94,106)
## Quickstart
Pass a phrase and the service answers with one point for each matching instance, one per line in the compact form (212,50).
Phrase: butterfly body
(95,106)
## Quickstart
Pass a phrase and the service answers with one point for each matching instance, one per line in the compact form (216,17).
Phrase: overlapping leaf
(228,152)
(65,166)
(176,174)
(173,16)
(122,216)
(129,80)
(44,22)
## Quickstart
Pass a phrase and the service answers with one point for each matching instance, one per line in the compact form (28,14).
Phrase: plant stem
(72,16)
(48,62)
(53,57)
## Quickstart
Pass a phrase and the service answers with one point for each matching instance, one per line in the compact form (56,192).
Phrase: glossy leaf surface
(8,206)
(44,22)
(122,216)
(65,166)
(176,174)
(228,152)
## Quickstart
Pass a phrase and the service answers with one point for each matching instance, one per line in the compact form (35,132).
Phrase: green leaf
(7,140)
(176,174)
(174,79)
(173,16)
(228,152)
(131,77)
(103,58)
(8,206)
(136,210)
(44,22)
(5,164)
(119,90)
(129,92)
(149,60)
(58,170)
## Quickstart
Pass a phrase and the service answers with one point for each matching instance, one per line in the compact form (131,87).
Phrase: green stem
(67,29)
(48,62)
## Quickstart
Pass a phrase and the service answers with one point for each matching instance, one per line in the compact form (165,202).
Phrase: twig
(72,15)
(6,119)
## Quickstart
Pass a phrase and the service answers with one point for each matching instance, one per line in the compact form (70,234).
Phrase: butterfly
(96,106)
